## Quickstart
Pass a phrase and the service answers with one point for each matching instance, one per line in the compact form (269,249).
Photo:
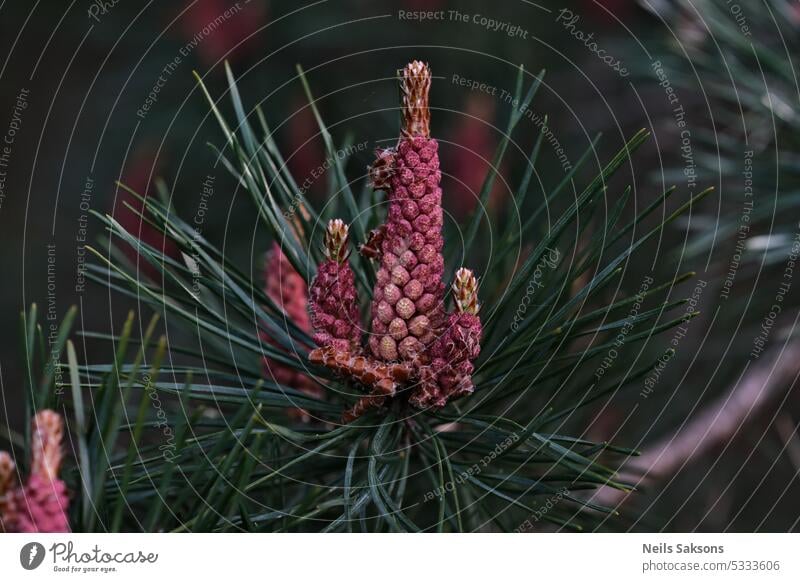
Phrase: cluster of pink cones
(414,347)
(40,505)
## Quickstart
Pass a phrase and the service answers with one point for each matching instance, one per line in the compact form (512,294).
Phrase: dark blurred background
(100,92)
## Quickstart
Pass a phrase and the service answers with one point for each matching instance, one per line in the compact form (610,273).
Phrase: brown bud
(465,292)
(336,240)
(47,430)
(415,84)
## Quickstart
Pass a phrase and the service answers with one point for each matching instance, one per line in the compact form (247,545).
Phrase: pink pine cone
(428,350)
(335,306)
(39,507)
(448,376)
(289,292)
(334,298)
(286,287)
(407,301)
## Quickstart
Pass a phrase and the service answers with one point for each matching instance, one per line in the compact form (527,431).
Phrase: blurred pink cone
(289,292)
(470,160)
(40,506)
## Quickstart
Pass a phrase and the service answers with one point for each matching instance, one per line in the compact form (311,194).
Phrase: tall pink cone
(288,290)
(41,505)
(408,295)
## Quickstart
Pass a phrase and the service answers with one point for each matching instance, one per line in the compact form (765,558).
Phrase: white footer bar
(384,557)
